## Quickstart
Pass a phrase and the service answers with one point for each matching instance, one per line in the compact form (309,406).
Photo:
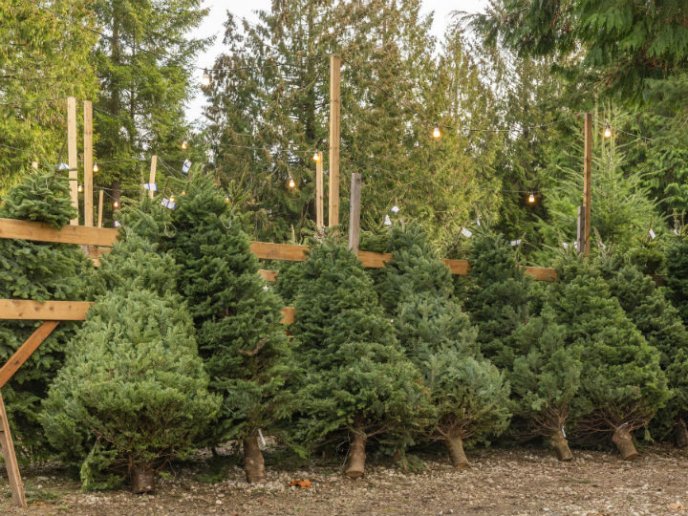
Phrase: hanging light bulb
(227,198)
(531,199)
(316,156)
(95,167)
(607,131)
(436,133)
(291,184)
(205,80)
(185,145)
(115,204)
(80,188)
(171,198)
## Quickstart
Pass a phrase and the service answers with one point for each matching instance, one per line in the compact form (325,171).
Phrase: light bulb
(531,199)
(171,198)
(292,183)
(115,204)
(80,188)
(436,133)
(395,209)
(205,80)
(185,145)
(34,165)
(183,193)
(316,156)
(227,198)
(608,131)
(330,30)
(95,167)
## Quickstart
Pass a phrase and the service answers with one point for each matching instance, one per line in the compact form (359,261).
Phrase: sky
(213,26)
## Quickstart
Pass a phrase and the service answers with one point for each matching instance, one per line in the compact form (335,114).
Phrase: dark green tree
(469,396)
(358,383)
(237,315)
(41,272)
(624,384)
(677,274)
(133,393)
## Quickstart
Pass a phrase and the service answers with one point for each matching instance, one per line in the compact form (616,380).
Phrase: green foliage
(41,272)
(357,378)
(497,296)
(677,274)
(133,391)
(237,315)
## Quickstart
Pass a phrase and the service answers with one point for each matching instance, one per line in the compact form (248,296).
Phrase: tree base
(142,479)
(561,446)
(681,433)
(254,463)
(357,456)
(457,453)
(623,440)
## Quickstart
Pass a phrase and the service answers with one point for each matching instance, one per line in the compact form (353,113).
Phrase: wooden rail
(106,237)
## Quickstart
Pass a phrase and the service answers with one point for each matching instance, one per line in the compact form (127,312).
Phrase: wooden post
(580,229)
(71,157)
(100,209)
(355,213)
(335,112)
(88,163)
(7,446)
(319,193)
(587,182)
(151,177)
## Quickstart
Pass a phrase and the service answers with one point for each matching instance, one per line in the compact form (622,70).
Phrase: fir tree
(41,272)
(677,274)
(497,296)
(358,382)
(624,384)
(244,346)
(133,393)
(470,397)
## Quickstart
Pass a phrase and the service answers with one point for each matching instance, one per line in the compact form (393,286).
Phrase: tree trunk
(456,454)
(357,454)
(254,464)
(681,433)
(142,479)
(561,446)
(623,440)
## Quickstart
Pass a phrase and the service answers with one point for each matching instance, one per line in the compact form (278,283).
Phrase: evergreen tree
(470,397)
(677,274)
(358,382)
(660,323)
(244,346)
(41,272)
(545,378)
(133,393)
(497,296)
(624,384)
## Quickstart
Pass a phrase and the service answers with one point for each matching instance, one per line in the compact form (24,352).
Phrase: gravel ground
(500,482)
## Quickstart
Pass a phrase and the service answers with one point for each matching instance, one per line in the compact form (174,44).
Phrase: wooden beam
(100,209)
(151,176)
(23,310)
(458,267)
(319,193)
(541,273)
(288,315)
(268,275)
(88,163)
(284,252)
(372,260)
(7,446)
(335,116)
(587,182)
(23,230)
(25,351)
(72,158)
(355,213)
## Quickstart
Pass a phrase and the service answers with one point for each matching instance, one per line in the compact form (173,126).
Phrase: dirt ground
(520,481)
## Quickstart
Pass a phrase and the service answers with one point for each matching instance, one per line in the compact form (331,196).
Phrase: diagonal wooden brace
(25,351)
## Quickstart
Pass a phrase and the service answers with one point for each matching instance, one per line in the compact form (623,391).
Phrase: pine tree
(244,346)
(497,296)
(545,378)
(470,397)
(358,382)
(133,393)
(646,305)
(677,274)
(41,272)
(623,385)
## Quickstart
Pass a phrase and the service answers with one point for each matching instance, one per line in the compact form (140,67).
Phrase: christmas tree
(660,323)
(469,396)
(237,315)
(41,272)
(624,384)
(133,393)
(497,296)
(358,383)
(677,274)
(545,378)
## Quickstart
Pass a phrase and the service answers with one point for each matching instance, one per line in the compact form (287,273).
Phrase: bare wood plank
(72,158)
(23,310)
(7,446)
(284,252)
(25,351)
(587,182)
(458,267)
(88,163)
(319,193)
(100,209)
(355,212)
(541,273)
(335,120)
(288,315)
(151,176)
(23,230)
(268,275)
(374,260)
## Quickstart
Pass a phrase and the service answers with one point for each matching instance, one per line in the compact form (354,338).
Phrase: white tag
(652,234)
(466,232)
(151,187)
(388,221)
(477,222)
(565,245)
(395,209)
(186,166)
(117,224)
(563,432)
(262,439)
(515,243)
(168,203)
